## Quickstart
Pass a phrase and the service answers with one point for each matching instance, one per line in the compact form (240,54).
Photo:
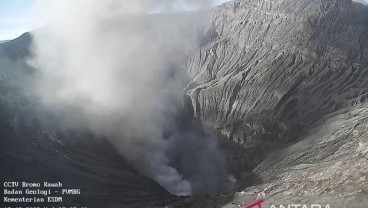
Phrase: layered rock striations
(272,69)
(284,81)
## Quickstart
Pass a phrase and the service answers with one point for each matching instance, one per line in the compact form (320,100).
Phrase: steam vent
(219,107)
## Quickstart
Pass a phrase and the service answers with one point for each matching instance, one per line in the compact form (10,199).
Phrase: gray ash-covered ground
(284,82)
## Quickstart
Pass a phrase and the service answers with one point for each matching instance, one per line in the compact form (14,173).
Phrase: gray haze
(112,61)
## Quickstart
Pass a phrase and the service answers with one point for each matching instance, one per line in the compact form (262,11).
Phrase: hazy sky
(15,17)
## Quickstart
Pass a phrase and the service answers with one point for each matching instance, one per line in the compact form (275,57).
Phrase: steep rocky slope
(284,81)
(274,68)
(289,74)
(327,166)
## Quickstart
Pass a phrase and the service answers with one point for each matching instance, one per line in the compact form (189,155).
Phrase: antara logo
(258,204)
(301,206)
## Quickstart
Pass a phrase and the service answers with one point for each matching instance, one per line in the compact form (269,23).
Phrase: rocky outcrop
(275,68)
(284,81)
(327,166)
(287,77)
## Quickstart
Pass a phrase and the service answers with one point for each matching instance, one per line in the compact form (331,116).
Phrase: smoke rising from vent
(121,66)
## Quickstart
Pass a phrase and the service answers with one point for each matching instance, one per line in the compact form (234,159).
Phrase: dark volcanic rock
(276,67)
(35,147)
(288,72)
(16,49)
(285,81)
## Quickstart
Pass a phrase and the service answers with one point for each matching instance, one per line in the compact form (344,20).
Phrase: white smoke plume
(114,61)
